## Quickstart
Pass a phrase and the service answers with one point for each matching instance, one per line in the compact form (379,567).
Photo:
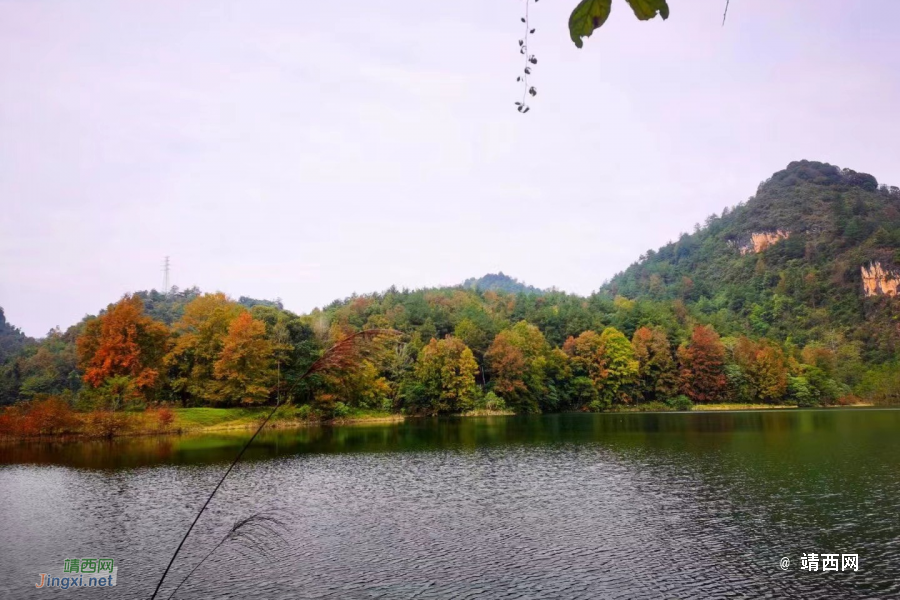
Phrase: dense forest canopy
(790,296)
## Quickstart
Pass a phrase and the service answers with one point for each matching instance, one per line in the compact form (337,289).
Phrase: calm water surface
(700,505)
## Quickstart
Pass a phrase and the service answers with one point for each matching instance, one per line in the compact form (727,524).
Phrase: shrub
(801,392)
(598,405)
(340,410)
(849,399)
(681,402)
(107,423)
(50,416)
(164,417)
(492,401)
(304,412)
(10,420)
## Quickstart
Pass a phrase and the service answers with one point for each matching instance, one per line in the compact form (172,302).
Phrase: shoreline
(204,420)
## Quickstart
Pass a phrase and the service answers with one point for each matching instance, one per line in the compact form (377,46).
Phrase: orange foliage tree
(507,364)
(122,343)
(199,338)
(702,363)
(245,364)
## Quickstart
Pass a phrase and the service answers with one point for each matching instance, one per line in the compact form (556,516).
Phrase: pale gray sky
(307,150)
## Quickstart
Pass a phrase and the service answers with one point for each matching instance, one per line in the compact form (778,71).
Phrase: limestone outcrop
(879,282)
(761,240)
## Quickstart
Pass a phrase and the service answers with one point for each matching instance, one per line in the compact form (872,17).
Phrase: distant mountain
(500,282)
(814,255)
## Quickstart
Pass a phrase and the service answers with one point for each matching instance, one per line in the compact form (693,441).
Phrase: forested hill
(500,282)
(789,297)
(813,256)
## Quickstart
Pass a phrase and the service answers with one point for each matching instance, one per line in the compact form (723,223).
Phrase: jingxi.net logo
(81,572)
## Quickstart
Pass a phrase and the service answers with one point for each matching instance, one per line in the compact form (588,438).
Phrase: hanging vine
(530,61)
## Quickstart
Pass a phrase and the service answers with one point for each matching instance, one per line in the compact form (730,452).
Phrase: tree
(586,357)
(657,372)
(123,343)
(445,372)
(560,391)
(245,367)
(507,365)
(763,364)
(199,337)
(702,363)
(475,336)
(607,359)
(51,367)
(359,386)
(517,360)
(294,348)
(621,365)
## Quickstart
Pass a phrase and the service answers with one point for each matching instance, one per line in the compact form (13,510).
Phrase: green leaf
(647,9)
(588,16)
(592,14)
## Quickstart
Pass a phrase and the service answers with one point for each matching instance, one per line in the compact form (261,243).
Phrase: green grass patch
(369,413)
(190,418)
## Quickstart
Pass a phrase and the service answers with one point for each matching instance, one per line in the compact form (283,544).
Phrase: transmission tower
(166,277)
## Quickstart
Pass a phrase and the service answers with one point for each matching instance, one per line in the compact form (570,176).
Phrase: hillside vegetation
(789,297)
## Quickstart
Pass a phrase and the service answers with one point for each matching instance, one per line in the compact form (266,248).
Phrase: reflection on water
(453,433)
(576,505)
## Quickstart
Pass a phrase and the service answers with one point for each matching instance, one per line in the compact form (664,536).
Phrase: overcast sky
(309,150)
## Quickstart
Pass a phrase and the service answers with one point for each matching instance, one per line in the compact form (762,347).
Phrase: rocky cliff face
(761,240)
(879,282)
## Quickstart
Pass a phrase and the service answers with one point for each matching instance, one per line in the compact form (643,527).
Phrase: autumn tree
(245,367)
(657,371)
(123,344)
(819,356)
(763,365)
(606,359)
(507,365)
(702,365)
(361,386)
(199,338)
(445,374)
(517,360)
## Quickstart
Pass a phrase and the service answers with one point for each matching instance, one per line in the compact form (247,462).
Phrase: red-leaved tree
(702,363)
(123,342)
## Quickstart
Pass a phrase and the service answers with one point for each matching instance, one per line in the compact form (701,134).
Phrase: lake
(671,505)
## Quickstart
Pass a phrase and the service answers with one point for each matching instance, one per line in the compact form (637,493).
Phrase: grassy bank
(55,419)
(218,419)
